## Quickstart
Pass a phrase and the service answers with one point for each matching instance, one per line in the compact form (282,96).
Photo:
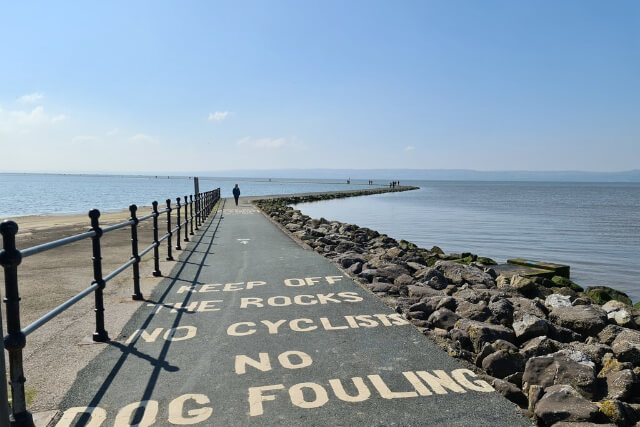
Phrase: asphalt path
(252,329)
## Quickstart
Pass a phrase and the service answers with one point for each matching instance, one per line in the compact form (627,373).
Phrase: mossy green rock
(486,261)
(637,305)
(406,245)
(563,282)
(602,294)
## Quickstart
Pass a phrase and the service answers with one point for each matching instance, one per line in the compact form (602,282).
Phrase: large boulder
(563,403)
(392,272)
(472,311)
(620,384)
(419,291)
(443,318)
(603,294)
(529,326)
(562,367)
(626,346)
(460,273)
(480,333)
(540,346)
(557,300)
(584,319)
(503,363)
(529,306)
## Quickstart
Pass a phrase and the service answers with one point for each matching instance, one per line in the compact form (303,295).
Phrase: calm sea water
(593,227)
(49,194)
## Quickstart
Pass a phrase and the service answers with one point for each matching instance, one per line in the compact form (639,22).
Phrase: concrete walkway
(252,329)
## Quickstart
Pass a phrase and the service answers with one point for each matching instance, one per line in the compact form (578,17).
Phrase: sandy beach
(57,351)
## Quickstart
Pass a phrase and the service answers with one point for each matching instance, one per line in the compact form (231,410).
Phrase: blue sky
(153,86)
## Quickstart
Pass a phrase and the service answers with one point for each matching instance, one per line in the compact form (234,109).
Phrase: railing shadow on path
(160,363)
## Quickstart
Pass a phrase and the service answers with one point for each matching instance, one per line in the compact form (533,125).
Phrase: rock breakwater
(562,354)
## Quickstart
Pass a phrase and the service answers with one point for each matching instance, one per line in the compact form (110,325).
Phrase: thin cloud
(218,116)
(142,138)
(409,148)
(264,143)
(31,98)
(35,117)
(84,138)
(113,132)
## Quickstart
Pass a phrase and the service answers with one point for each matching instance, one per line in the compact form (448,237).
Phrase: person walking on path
(236,193)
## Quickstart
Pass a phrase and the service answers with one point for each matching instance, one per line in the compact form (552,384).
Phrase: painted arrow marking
(244,241)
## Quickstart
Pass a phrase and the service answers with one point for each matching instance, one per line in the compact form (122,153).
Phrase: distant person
(236,193)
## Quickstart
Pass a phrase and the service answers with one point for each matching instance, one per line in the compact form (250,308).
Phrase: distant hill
(434,175)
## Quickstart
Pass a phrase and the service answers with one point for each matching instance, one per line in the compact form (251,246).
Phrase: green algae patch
(486,261)
(603,294)
(563,282)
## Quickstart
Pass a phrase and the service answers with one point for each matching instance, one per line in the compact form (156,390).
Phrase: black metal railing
(11,257)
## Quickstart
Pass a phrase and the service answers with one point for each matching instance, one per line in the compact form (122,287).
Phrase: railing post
(197,211)
(178,247)
(156,243)
(15,340)
(186,219)
(137,295)
(191,213)
(169,232)
(100,335)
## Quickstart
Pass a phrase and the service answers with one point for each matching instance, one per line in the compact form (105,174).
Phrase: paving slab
(252,329)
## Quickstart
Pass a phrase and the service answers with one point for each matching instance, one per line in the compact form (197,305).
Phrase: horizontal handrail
(116,226)
(59,309)
(119,270)
(56,243)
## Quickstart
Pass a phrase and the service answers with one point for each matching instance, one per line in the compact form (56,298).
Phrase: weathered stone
(368,274)
(380,287)
(622,318)
(564,403)
(620,384)
(419,292)
(460,273)
(540,346)
(350,258)
(557,300)
(615,305)
(611,364)
(443,318)
(502,281)
(529,326)
(480,333)
(355,268)
(392,272)
(478,311)
(626,346)
(419,315)
(581,424)
(560,368)
(619,412)
(584,319)
(502,363)
(595,351)
(403,280)
(510,391)
(522,284)
(447,302)
(529,306)
(502,311)
(609,333)
(564,335)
